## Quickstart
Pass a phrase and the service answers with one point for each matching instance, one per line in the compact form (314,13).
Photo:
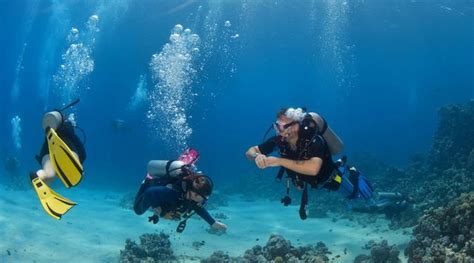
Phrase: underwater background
(156,77)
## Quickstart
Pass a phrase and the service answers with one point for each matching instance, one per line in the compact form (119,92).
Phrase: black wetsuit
(67,134)
(169,198)
(317,148)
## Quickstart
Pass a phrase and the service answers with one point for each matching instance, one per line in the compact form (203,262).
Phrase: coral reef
(432,180)
(454,139)
(445,234)
(379,253)
(152,248)
(219,257)
(277,249)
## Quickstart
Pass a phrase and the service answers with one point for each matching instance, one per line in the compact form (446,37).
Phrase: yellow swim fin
(54,204)
(65,163)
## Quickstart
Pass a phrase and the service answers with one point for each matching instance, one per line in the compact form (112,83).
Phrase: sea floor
(96,229)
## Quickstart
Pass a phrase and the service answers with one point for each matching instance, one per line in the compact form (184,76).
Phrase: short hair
(295,114)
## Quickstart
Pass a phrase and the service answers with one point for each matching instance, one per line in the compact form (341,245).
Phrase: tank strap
(167,169)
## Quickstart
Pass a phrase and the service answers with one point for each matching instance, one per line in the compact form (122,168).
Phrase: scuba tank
(333,141)
(53,120)
(173,168)
(160,168)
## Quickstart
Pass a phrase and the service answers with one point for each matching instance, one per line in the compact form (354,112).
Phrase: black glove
(154,219)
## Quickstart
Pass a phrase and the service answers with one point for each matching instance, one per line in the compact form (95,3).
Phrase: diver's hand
(154,219)
(260,161)
(219,226)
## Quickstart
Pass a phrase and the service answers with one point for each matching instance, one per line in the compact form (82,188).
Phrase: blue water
(377,71)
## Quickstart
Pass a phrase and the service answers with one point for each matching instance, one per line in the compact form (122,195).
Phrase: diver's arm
(252,153)
(261,150)
(309,167)
(202,212)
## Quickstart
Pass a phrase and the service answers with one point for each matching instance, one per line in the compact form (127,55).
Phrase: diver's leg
(46,173)
(148,197)
(142,201)
(146,183)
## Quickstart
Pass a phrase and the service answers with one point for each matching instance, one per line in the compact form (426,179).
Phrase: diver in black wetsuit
(176,196)
(306,145)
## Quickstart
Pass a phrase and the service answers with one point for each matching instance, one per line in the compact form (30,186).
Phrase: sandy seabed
(96,229)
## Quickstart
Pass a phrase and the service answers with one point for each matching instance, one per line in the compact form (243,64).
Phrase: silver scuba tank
(52,119)
(164,167)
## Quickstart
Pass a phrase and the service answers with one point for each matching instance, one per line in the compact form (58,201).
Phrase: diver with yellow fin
(62,155)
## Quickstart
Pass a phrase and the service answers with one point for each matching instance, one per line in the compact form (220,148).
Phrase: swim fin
(54,204)
(66,164)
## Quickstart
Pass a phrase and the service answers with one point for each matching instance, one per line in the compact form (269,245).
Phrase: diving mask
(281,127)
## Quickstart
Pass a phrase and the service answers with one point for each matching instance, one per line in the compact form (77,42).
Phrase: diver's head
(287,124)
(52,119)
(295,114)
(201,188)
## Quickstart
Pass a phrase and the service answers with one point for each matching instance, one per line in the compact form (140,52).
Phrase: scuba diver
(61,155)
(306,145)
(175,190)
